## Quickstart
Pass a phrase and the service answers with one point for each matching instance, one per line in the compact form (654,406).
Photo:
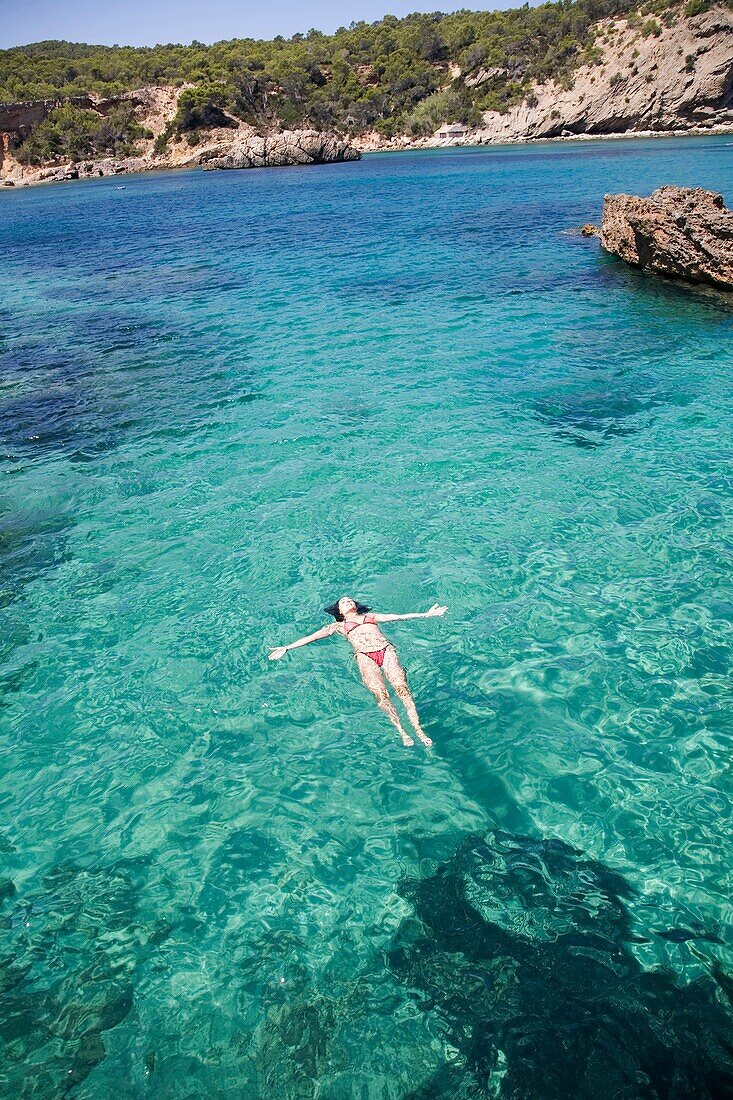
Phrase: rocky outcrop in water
(682,232)
(290,147)
(246,150)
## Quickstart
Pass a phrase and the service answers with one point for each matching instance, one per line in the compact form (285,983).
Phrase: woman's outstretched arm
(280,650)
(436,609)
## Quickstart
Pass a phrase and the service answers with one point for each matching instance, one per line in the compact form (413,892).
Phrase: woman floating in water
(375,656)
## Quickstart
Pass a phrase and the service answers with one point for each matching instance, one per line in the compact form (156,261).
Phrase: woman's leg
(374,680)
(395,673)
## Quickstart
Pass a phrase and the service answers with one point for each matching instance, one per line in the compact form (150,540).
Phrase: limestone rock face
(483,76)
(84,170)
(683,232)
(277,150)
(679,79)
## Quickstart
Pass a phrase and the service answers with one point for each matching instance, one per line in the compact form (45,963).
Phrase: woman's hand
(436,609)
(276,653)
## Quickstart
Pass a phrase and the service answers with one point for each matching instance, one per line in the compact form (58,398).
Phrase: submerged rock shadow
(587,420)
(30,546)
(68,955)
(521,948)
(695,302)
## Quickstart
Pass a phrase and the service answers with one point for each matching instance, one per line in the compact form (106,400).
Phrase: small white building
(452,130)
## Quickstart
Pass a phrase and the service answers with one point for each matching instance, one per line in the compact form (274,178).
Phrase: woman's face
(346,605)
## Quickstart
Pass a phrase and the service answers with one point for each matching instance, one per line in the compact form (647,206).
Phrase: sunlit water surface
(226,400)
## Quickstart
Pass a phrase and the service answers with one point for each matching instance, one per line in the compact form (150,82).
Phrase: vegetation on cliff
(395,75)
(71,133)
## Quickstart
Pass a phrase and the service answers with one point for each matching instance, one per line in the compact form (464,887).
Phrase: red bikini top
(347,627)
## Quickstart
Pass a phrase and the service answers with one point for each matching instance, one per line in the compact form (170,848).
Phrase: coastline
(626,135)
(672,79)
(107,168)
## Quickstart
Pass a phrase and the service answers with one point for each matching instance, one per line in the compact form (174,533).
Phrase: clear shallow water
(226,400)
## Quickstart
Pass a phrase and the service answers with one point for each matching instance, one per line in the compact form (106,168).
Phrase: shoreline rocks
(81,170)
(279,150)
(681,232)
(246,150)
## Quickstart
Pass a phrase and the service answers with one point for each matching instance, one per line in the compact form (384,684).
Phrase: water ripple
(250,393)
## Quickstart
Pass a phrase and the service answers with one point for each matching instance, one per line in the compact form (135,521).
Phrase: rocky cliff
(680,78)
(153,106)
(647,78)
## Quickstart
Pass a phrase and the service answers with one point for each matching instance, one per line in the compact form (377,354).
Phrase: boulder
(288,147)
(682,232)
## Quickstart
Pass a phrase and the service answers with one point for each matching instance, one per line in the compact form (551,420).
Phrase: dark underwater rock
(682,232)
(522,949)
(68,957)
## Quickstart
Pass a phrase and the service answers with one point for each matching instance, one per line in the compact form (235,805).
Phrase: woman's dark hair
(334,610)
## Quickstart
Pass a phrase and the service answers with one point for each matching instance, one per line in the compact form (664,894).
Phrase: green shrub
(201,108)
(70,133)
(386,127)
(439,107)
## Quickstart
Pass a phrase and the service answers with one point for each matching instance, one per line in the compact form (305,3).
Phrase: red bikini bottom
(377,655)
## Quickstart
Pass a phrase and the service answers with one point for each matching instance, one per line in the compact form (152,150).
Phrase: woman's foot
(424,737)
(406,739)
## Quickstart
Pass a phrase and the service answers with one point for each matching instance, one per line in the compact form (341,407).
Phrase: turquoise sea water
(228,399)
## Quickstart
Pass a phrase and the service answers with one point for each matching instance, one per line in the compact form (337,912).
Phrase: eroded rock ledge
(682,232)
(289,147)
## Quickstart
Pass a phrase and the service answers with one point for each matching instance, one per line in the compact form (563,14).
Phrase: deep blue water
(229,398)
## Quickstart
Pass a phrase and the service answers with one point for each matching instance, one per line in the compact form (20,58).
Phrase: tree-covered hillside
(393,75)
